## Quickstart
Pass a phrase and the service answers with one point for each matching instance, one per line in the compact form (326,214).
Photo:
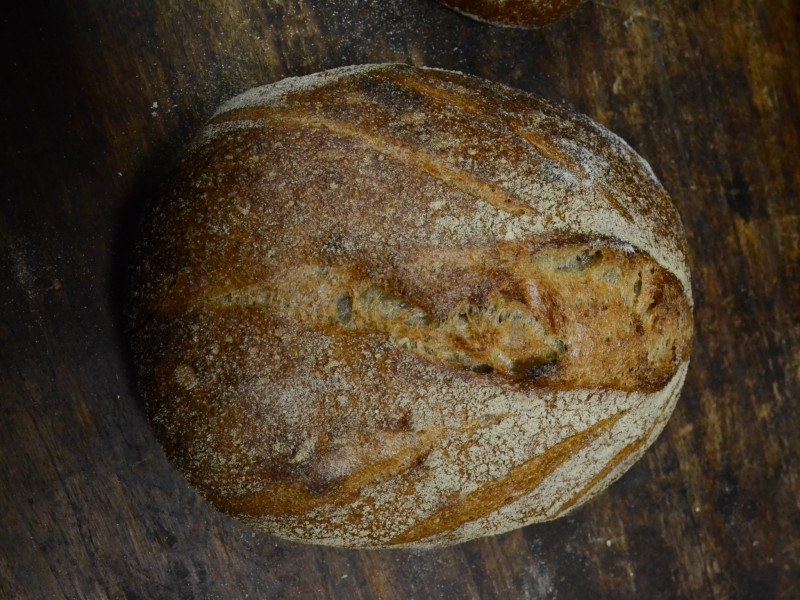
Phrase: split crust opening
(580,315)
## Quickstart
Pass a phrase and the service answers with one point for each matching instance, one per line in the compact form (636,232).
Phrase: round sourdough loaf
(514,13)
(389,306)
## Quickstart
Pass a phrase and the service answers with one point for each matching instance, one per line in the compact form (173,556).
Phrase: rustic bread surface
(388,306)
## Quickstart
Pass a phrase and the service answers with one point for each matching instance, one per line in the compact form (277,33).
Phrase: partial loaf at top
(388,306)
(514,13)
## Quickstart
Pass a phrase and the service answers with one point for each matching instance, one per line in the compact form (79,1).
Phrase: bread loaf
(514,13)
(388,306)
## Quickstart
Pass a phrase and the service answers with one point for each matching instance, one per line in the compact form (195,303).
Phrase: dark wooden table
(99,98)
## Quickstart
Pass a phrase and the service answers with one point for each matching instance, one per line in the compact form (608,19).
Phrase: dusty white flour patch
(274,94)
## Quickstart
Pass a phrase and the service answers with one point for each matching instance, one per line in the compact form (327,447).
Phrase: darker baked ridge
(558,313)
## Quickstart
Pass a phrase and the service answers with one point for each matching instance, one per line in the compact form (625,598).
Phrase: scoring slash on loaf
(514,13)
(384,306)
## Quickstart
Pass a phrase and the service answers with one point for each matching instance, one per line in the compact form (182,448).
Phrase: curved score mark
(541,144)
(494,495)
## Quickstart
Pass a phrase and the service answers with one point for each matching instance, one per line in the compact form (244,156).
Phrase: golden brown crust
(393,306)
(515,13)
(563,316)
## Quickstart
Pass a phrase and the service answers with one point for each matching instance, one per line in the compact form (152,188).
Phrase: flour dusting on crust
(363,318)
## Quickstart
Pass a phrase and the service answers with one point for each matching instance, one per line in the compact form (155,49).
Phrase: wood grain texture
(104,94)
